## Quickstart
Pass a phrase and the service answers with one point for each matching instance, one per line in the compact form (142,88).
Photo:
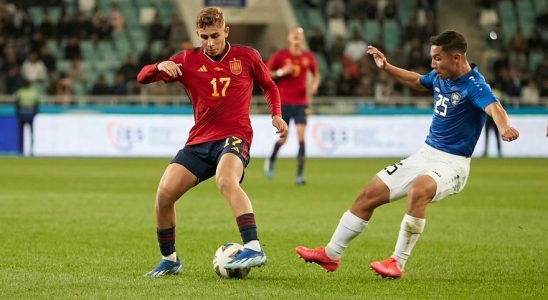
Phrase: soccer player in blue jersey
(439,169)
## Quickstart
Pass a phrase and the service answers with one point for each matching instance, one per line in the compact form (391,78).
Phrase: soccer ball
(223,255)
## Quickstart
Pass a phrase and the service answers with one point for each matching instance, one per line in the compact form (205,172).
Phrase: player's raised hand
(509,134)
(170,68)
(378,56)
(280,125)
(287,69)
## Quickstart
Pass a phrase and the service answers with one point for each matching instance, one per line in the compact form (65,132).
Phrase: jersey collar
(221,56)
(466,75)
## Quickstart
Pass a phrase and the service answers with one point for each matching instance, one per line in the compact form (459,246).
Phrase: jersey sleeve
(427,80)
(482,95)
(150,73)
(261,75)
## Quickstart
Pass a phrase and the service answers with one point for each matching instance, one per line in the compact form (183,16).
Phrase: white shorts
(448,170)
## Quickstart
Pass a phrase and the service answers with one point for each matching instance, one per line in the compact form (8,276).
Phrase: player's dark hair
(210,16)
(450,41)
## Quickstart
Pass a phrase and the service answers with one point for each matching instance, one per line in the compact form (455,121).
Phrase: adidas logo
(202,69)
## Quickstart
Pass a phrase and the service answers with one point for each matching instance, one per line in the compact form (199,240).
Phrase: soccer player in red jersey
(289,68)
(218,78)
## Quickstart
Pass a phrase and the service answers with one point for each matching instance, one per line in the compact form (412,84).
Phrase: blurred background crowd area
(66,48)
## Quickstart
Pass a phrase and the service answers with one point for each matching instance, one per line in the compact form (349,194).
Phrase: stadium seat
(507,18)
(315,19)
(36,14)
(371,30)
(391,35)
(526,16)
(322,64)
(540,5)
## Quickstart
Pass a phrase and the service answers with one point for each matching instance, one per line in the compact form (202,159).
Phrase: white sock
(410,231)
(253,245)
(172,257)
(349,227)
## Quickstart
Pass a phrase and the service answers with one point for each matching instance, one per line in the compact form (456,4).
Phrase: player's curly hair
(210,16)
(450,41)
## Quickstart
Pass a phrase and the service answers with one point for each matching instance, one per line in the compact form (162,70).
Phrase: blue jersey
(459,112)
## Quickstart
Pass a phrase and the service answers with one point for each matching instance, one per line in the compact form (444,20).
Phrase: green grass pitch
(84,228)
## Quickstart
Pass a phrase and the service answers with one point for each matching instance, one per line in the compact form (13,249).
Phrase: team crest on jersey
(305,61)
(455,98)
(236,66)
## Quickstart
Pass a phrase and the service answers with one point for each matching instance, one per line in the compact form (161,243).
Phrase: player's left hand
(509,134)
(308,111)
(280,125)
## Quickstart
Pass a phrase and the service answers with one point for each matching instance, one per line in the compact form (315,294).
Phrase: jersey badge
(236,66)
(455,98)
(202,69)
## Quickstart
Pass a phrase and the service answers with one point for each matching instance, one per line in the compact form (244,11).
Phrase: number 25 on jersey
(441,105)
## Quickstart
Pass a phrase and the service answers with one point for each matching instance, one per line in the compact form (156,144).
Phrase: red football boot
(387,268)
(319,257)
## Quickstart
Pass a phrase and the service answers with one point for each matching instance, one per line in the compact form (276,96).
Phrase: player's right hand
(378,56)
(509,134)
(287,69)
(170,68)
(280,125)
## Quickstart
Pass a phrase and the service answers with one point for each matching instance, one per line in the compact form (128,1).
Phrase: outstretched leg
(351,224)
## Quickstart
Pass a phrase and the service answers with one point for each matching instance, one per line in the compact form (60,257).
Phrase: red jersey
(219,90)
(293,86)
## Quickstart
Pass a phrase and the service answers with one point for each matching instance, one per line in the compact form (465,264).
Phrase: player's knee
(165,197)
(226,183)
(419,196)
(282,141)
(368,199)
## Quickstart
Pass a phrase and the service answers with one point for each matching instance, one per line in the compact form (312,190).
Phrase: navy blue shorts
(295,112)
(202,159)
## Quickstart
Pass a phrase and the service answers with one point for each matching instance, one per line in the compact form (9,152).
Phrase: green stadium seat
(335,70)
(535,58)
(526,16)
(36,14)
(391,35)
(54,13)
(54,49)
(354,25)
(371,30)
(315,19)
(540,6)
(322,64)
(88,50)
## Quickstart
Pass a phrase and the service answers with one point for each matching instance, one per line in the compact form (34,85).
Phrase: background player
(218,78)
(289,68)
(439,169)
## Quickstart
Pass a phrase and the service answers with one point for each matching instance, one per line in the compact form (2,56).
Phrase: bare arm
(497,112)
(405,77)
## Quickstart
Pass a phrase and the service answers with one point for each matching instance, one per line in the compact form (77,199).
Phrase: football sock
(253,245)
(172,257)
(300,159)
(166,239)
(275,152)
(410,231)
(248,230)
(349,227)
